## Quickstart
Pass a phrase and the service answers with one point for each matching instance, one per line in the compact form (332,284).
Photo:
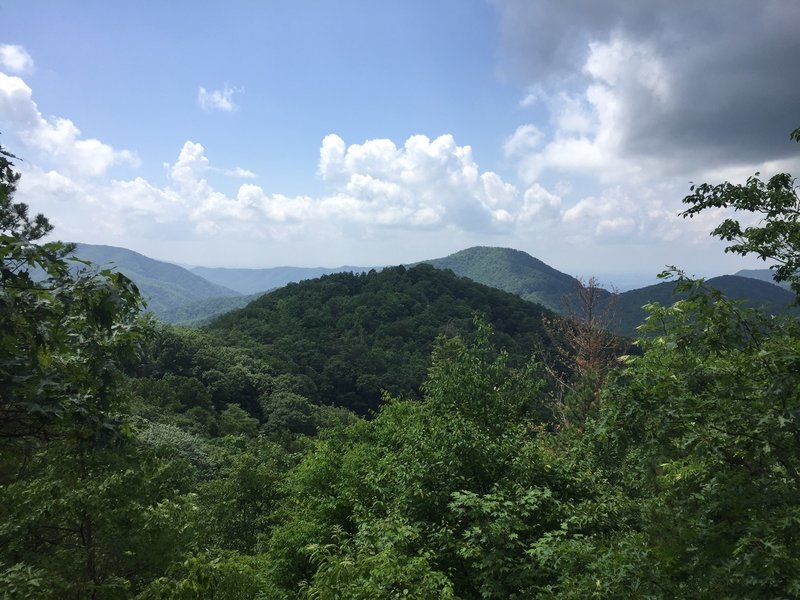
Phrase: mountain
(763,275)
(521,274)
(351,336)
(252,281)
(202,312)
(513,271)
(164,285)
(753,292)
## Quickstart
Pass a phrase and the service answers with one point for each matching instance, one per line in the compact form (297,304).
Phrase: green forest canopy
(145,461)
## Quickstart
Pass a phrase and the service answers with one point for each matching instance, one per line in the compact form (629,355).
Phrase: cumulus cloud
(221,100)
(57,138)
(423,184)
(641,98)
(15,58)
(678,83)
(616,216)
(539,204)
(426,183)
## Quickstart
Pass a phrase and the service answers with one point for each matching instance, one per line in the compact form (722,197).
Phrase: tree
(702,432)
(84,512)
(433,499)
(777,237)
(698,439)
(586,351)
(60,328)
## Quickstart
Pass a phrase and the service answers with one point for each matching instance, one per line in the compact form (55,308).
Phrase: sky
(318,133)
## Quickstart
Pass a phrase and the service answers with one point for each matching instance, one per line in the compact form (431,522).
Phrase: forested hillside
(352,336)
(513,271)
(403,434)
(163,285)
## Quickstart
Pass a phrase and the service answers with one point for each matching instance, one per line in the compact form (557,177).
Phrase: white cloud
(617,216)
(58,139)
(424,183)
(240,173)
(218,99)
(589,127)
(427,184)
(539,205)
(188,169)
(331,156)
(531,97)
(525,139)
(628,189)
(15,58)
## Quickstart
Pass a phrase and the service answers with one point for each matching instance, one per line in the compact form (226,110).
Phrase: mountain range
(196,295)
(165,286)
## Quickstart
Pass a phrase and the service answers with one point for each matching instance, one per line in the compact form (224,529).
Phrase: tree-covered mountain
(165,286)
(353,335)
(752,292)
(521,274)
(252,281)
(202,312)
(510,270)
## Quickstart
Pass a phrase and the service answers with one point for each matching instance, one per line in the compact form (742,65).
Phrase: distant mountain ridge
(194,297)
(521,274)
(165,286)
(767,275)
(754,293)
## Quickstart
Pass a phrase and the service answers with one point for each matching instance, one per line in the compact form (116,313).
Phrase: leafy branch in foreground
(60,327)
(776,237)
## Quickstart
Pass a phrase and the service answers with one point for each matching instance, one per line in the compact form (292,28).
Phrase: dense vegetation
(202,312)
(353,336)
(145,461)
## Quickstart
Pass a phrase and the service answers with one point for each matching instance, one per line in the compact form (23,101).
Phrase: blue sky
(353,132)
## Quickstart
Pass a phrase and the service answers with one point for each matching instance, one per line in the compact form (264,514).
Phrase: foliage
(238,500)
(586,352)
(221,575)
(83,511)
(765,296)
(441,498)
(354,336)
(706,425)
(93,521)
(59,331)
(777,237)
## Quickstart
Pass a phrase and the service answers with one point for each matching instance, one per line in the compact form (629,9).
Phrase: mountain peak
(511,270)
